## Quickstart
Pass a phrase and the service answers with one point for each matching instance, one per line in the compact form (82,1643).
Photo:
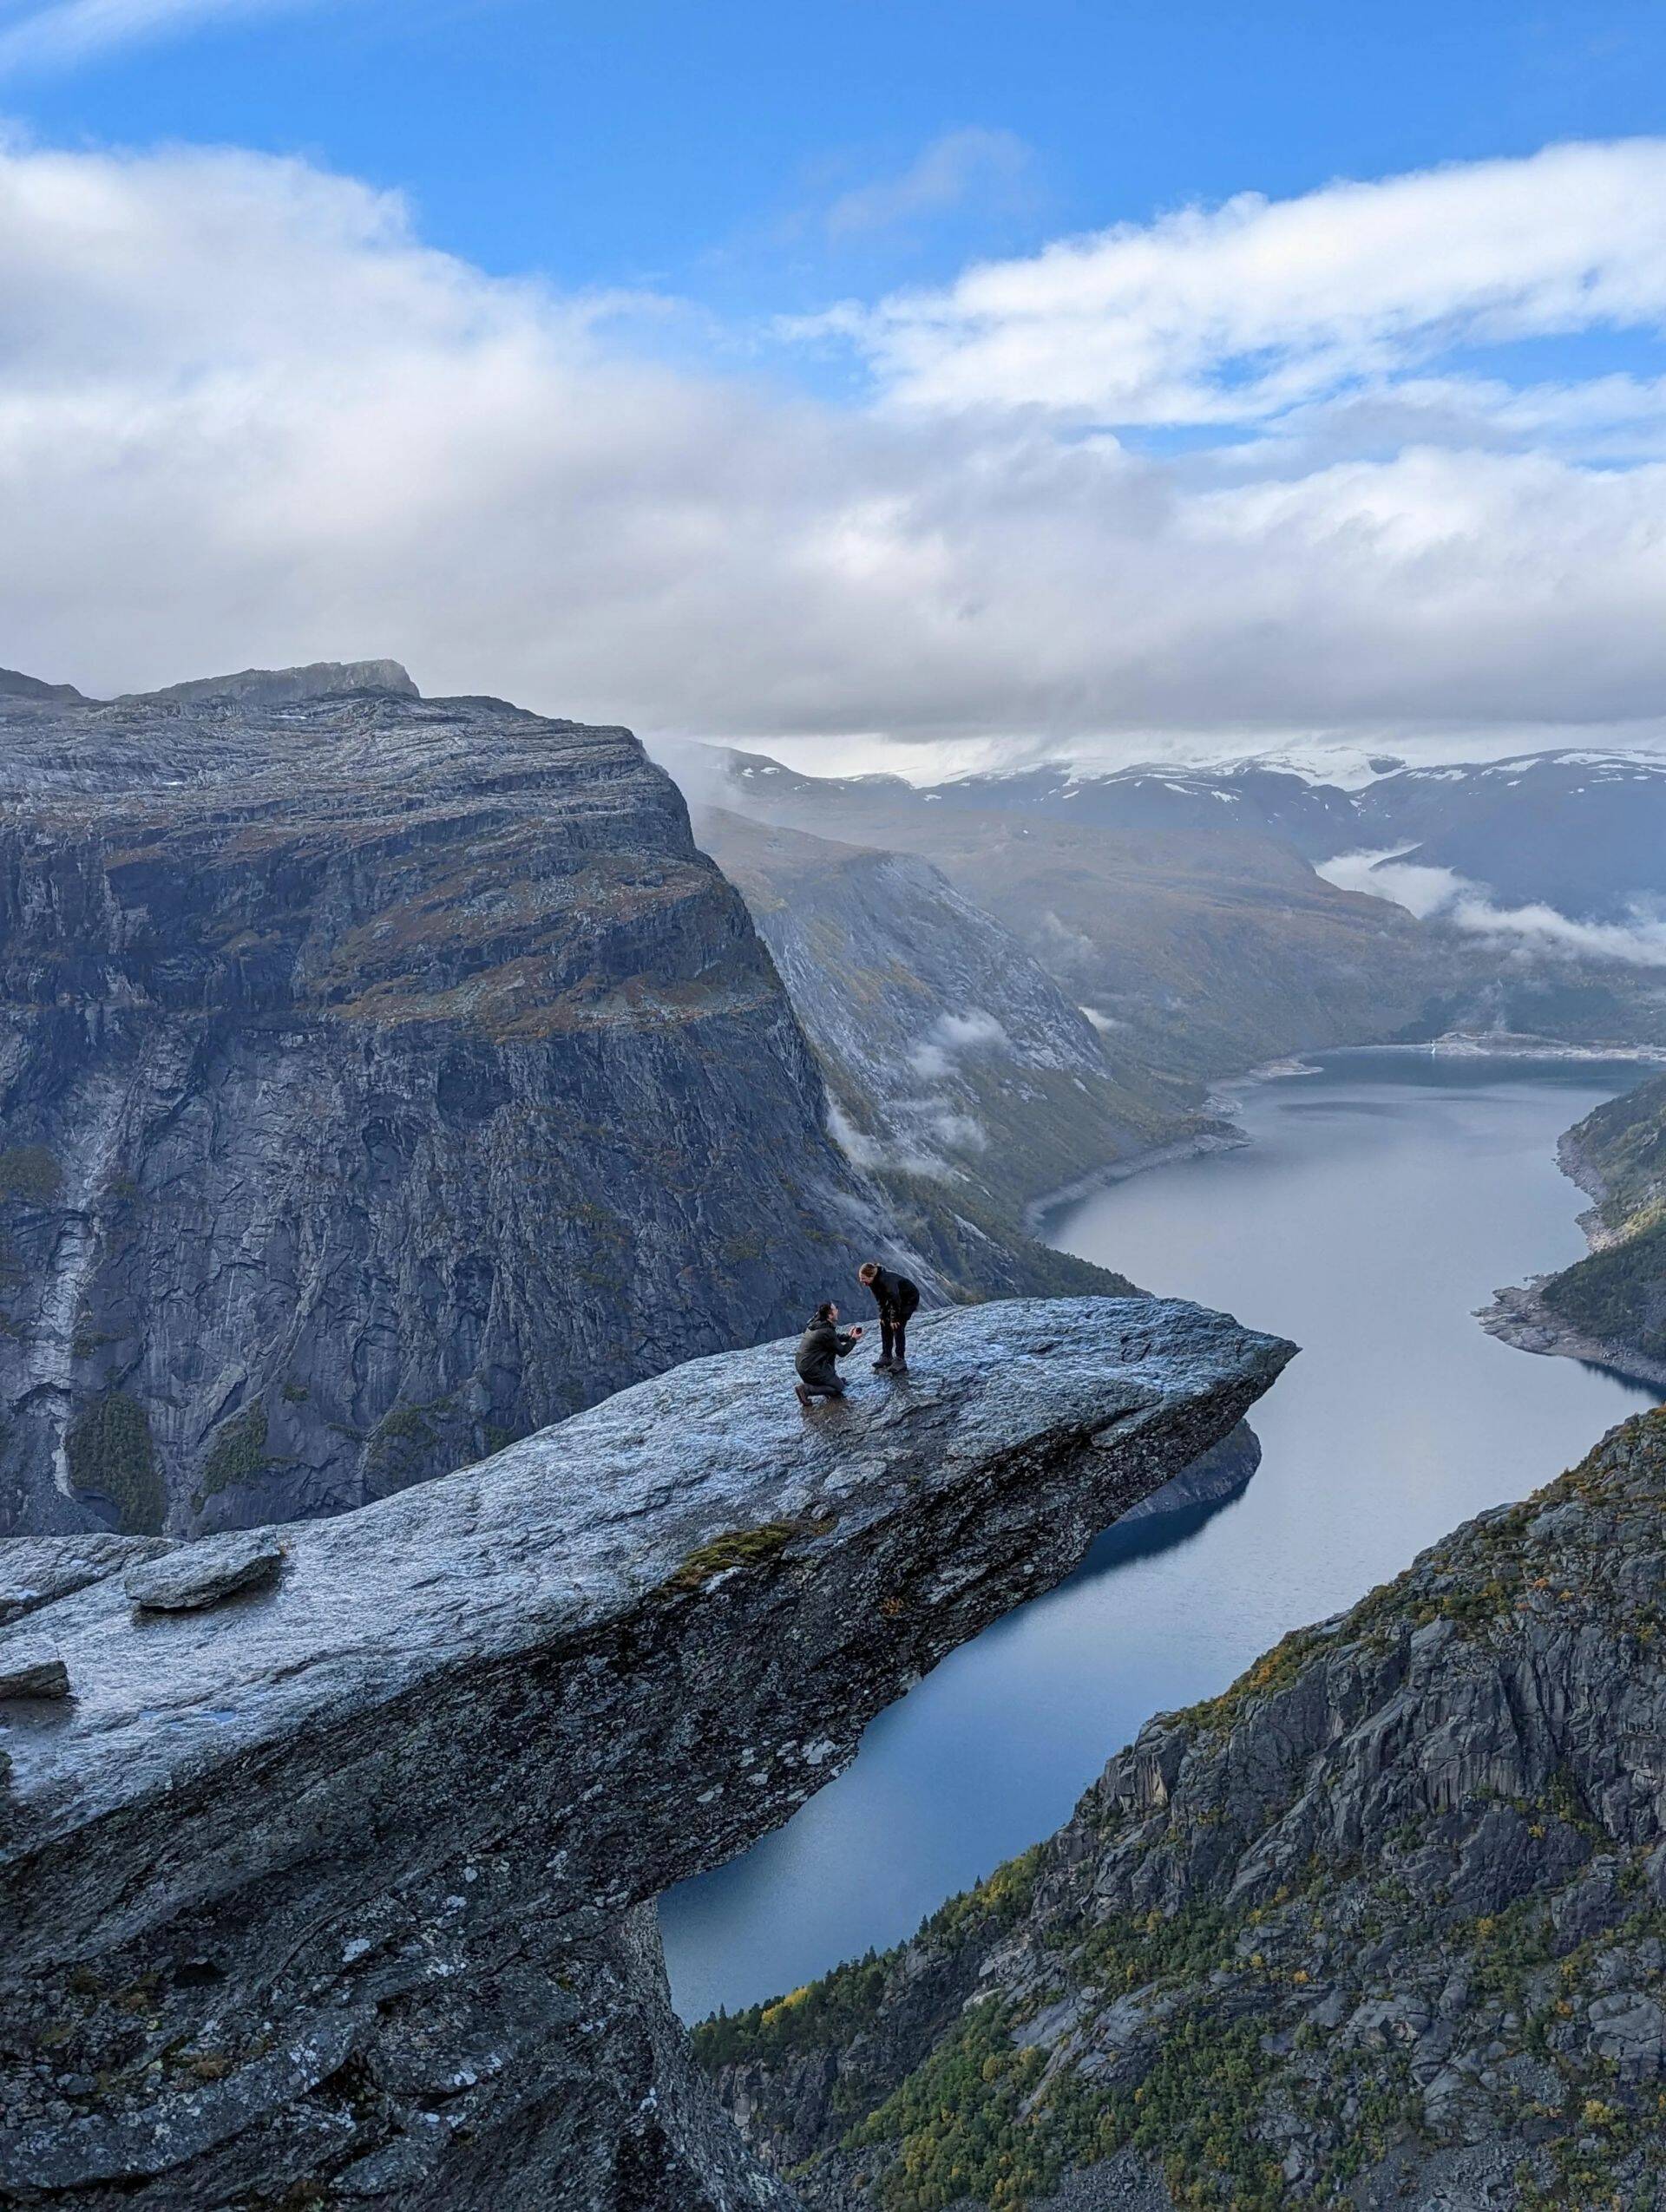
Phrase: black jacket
(894,1295)
(821,1345)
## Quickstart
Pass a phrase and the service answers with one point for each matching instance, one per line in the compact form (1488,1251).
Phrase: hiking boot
(803,1396)
(899,1367)
(883,1367)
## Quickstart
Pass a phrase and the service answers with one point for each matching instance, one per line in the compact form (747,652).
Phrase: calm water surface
(1384,1196)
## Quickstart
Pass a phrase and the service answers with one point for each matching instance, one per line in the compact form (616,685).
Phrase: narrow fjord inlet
(1383,1197)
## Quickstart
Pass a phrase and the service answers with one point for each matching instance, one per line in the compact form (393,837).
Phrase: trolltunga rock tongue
(371,1844)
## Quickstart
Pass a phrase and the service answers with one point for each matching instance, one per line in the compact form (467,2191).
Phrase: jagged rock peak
(373,1844)
(280,687)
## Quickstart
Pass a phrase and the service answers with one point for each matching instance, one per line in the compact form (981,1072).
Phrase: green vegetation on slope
(1617,1295)
(110,1454)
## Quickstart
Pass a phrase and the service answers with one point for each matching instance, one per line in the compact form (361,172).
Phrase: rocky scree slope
(963,1077)
(1384,1924)
(380,1079)
(339,1891)
(1611,1307)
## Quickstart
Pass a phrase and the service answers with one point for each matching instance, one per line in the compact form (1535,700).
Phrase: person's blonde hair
(867,1270)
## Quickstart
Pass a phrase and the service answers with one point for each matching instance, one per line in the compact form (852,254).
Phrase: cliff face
(963,1077)
(1385,1923)
(380,1079)
(335,1891)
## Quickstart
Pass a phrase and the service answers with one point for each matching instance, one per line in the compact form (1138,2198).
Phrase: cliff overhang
(339,1891)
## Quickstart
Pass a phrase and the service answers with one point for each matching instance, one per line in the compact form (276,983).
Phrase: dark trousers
(893,1337)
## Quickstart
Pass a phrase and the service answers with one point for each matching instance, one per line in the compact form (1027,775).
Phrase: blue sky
(699,148)
(899,378)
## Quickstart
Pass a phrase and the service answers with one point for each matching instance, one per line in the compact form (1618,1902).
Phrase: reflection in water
(1384,1197)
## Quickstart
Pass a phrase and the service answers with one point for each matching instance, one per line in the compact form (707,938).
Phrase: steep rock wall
(380,1079)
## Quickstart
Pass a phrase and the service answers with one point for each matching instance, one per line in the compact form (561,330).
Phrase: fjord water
(1383,1197)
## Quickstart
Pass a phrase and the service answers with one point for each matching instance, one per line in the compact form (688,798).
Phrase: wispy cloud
(960,165)
(59,35)
(350,443)
(1236,313)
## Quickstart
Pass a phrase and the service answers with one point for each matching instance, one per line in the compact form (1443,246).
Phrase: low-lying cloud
(248,417)
(950,1035)
(1441,895)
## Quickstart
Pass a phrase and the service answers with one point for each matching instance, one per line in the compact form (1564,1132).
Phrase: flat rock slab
(199,1575)
(29,1668)
(668,1522)
(36,1570)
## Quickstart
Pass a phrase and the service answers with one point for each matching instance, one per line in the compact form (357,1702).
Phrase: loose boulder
(198,1576)
(29,1668)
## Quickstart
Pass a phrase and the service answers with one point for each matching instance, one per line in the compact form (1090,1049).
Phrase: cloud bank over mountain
(247,417)
(1441,895)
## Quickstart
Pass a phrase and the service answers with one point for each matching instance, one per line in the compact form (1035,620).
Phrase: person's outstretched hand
(856,1332)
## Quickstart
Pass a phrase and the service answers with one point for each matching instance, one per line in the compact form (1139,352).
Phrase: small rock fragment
(29,1668)
(198,1576)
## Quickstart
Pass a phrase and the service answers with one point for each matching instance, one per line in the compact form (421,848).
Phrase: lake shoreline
(1222,1135)
(1518,1315)
(1195,1145)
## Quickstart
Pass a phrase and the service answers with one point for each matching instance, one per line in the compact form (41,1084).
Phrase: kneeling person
(896,1299)
(821,1346)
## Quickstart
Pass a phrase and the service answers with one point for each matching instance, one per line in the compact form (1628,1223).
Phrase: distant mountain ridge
(1584,830)
(1184,908)
(14,685)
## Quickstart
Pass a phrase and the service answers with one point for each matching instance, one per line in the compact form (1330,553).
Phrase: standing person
(820,1347)
(896,1297)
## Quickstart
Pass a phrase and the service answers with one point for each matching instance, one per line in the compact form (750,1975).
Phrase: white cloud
(1237,313)
(73,30)
(1441,895)
(952,1034)
(246,417)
